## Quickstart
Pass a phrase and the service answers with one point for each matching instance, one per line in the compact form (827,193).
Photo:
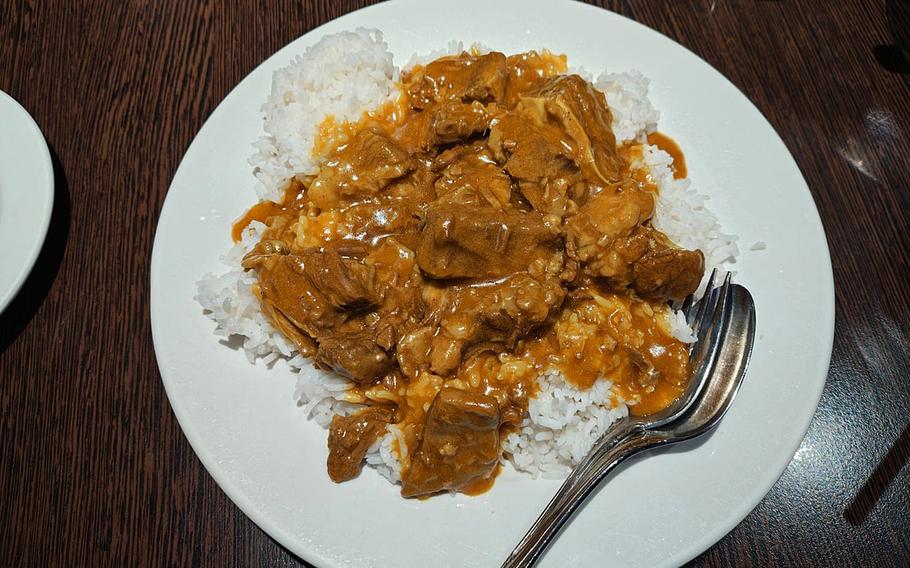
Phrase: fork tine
(687,303)
(710,336)
(712,311)
(706,309)
(714,307)
(724,292)
(720,304)
(700,305)
(709,287)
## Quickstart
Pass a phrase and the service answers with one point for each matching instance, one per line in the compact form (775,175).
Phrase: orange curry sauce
(586,342)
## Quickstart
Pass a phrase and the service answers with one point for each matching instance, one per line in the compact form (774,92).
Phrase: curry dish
(455,245)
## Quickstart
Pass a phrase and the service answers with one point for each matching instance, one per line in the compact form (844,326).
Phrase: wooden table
(95,469)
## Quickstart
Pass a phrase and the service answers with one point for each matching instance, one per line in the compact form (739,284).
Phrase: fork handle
(600,461)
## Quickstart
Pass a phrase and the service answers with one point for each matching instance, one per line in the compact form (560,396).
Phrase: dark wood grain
(95,469)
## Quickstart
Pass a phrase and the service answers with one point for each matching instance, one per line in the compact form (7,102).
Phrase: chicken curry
(455,245)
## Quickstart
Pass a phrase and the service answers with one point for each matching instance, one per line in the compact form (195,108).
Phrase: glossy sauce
(482,485)
(596,337)
(593,340)
(292,202)
(528,69)
(670,146)
(331,134)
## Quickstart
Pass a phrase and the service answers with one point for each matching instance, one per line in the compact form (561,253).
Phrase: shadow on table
(861,505)
(300,560)
(896,57)
(36,287)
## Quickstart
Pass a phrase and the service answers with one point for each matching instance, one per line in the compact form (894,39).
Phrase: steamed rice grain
(340,76)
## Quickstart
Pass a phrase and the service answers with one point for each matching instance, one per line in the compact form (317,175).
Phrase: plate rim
(43,223)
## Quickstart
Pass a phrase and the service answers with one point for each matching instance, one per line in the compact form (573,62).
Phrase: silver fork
(711,333)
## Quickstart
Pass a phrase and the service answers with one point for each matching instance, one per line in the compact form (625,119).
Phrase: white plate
(662,510)
(26,195)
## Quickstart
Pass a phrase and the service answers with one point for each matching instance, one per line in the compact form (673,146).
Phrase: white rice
(682,213)
(382,457)
(348,72)
(340,76)
(562,425)
(627,96)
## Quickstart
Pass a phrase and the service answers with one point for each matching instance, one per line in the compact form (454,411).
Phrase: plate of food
(418,261)
(26,195)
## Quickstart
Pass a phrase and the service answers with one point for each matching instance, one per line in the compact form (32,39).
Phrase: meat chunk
(604,218)
(347,283)
(652,265)
(356,356)
(464,77)
(557,137)
(263,252)
(454,121)
(310,293)
(582,113)
(448,122)
(486,316)
(482,242)
(459,444)
(533,153)
(340,310)
(666,271)
(374,220)
(528,70)
(363,168)
(528,150)
(471,179)
(490,316)
(351,436)
(608,238)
